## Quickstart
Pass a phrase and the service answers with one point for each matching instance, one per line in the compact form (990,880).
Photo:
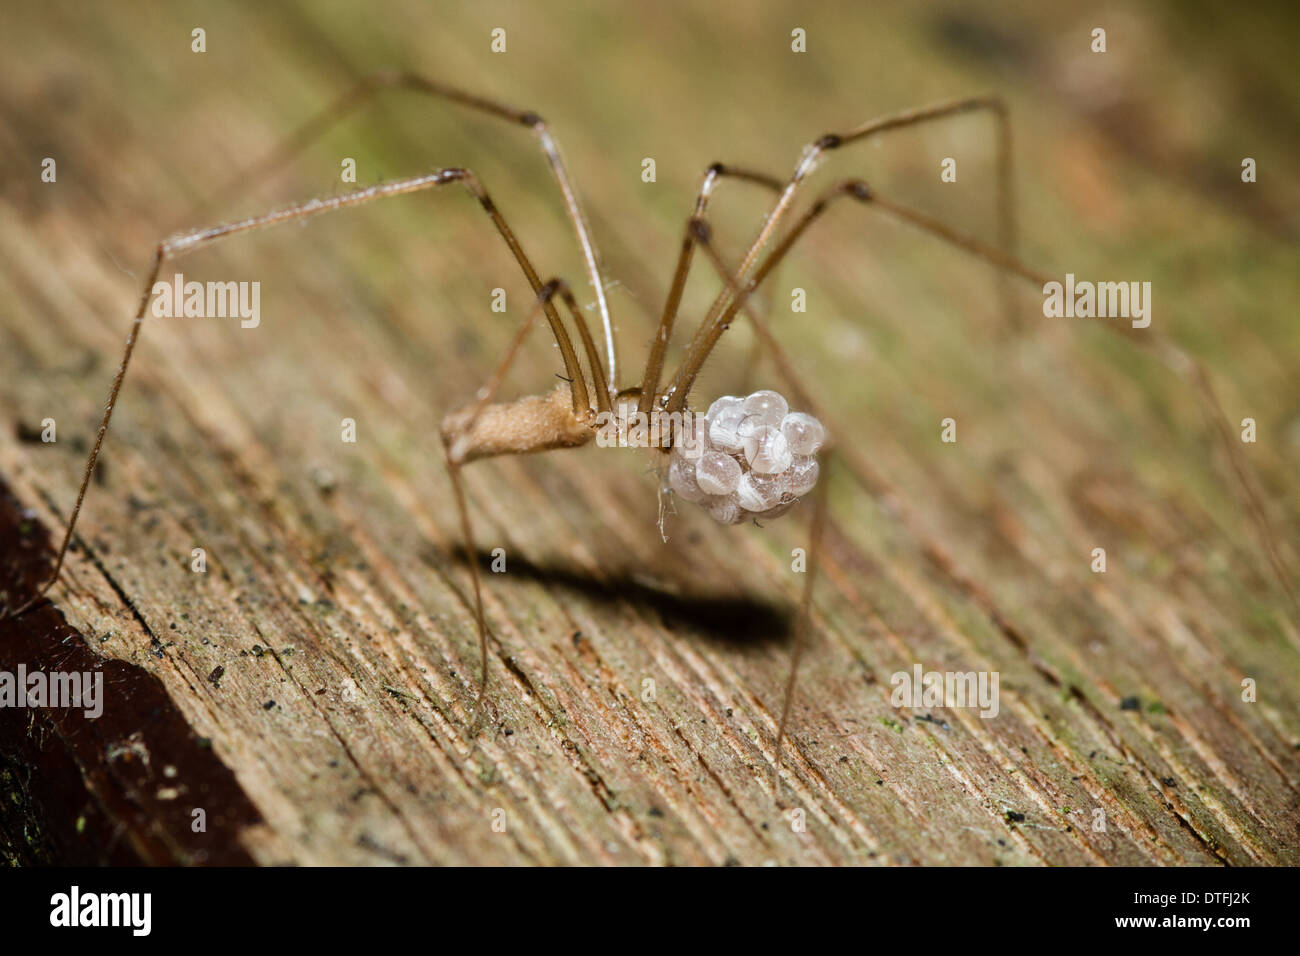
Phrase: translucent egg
(724,429)
(766,406)
(726,401)
(767,450)
(716,473)
(804,433)
(802,476)
(681,479)
(757,492)
(725,509)
(692,440)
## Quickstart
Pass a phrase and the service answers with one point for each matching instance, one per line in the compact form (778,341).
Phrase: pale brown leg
(464,424)
(1171,354)
(1011,267)
(812,156)
(803,622)
(699,234)
(740,301)
(659,346)
(738,291)
(359,95)
(183,243)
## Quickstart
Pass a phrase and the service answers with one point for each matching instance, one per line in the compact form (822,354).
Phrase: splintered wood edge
(123,788)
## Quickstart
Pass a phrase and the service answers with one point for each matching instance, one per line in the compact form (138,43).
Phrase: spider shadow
(731,621)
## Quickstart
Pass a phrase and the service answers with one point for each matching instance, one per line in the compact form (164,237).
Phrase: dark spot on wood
(123,821)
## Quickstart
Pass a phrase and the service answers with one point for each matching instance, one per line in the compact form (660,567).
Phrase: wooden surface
(334,607)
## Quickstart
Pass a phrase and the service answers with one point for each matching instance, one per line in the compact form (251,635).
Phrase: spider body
(746,457)
(530,424)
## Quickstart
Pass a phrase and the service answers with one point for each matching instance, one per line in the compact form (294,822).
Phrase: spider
(748,456)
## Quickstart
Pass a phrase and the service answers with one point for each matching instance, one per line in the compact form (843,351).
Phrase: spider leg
(740,288)
(1181,362)
(182,243)
(698,233)
(351,101)
(459,424)
(833,455)
(813,155)
(873,483)
(803,620)
(750,371)
(659,346)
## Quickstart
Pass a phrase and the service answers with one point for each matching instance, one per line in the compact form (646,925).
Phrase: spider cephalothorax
(752,458)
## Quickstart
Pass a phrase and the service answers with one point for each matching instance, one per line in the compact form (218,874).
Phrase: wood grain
(313,689)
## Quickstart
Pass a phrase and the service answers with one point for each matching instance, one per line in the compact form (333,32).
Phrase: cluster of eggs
(751,457)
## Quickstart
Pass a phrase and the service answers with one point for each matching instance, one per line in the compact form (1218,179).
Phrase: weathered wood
(313,689)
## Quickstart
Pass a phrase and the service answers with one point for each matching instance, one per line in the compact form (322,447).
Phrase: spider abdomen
(529,424)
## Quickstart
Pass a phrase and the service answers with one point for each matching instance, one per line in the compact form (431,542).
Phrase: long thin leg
(178,245)
(703,237)
(1011,267)
(655,362)
(1179,360)
(357,97)
(1218,422)
(813,154)
(765,340)
(698,233)
(739,289)
(803,623)
(465,425)
(600,385)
